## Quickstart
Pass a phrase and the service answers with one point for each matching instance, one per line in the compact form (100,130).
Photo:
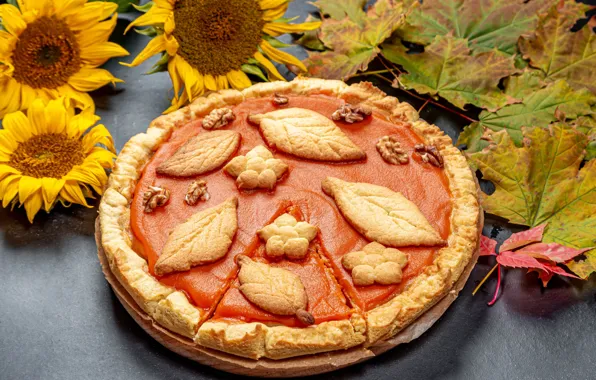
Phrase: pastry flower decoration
(375,264)
(286,236)
(53,49)
(257,170)
(210,45)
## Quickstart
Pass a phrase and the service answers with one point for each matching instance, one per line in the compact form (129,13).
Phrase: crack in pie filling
(330,220)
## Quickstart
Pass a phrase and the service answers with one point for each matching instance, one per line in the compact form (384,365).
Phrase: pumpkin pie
(289,218)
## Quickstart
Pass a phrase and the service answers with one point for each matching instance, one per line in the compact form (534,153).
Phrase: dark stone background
(60,320)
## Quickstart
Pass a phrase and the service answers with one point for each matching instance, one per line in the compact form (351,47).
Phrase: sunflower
(52,48)
(213,44)
(52,155)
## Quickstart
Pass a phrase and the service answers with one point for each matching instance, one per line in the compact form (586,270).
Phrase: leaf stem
(365,73)
(424,105)
(492,302)
(484,279)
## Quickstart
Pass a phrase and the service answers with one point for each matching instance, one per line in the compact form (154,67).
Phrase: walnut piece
(375,264)
(390,149)
(155,197)
(257,170)
(197,191)
(280,100)
(351,113)
(275,290)
(287,236)
(218,118)
(430,154)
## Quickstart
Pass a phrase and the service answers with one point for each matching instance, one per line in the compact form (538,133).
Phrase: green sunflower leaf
(353,40)
(275,42)
(541,182)
(254,70)
(447,68)
(561,53)
(149,32)
(161,65)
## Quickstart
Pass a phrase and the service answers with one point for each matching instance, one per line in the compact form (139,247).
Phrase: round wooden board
(299,366)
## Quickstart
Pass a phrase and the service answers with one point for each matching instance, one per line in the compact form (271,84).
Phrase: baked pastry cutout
(204,238)
(381,214)
(275,290)
(287,236)
(257,170)
(306,134)
(201,154)
(375,264)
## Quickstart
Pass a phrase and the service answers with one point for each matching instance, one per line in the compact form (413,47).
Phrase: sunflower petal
(281,56)
(268,4)
(6,170)
(17,124)
(81,174)
(238,79)
(181,71)
(27,186)
(68,7)
(71,192)
(271,69)
(222,82)
(9,188)
(155,46)
(98,33)
(78,124)
(275,13)
(90,14)
(78,99)
(99,53)
(103,157)
(98,135)
(278,28)
(89,79)
(10,99)
(50,188)
(12,19)
(210,82)
(55,116)
(155,15)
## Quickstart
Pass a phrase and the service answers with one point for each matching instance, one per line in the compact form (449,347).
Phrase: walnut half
(155,197)
(430,154)
(279,100)
(390,149)
(218,118)
(351,113)
(197,191)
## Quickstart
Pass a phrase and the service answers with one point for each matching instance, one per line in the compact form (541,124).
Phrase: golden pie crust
(171,308)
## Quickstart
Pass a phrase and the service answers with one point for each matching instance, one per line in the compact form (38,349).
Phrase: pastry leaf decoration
(352,36)
(201,154)
(275,290)
(381,214)
(204,238)
(306,134)
(447,68)
(541,182)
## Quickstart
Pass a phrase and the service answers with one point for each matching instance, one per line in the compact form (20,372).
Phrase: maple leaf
(518,260)
(537,108)
(519,239)
(487,246)
(446,68)
(542,182)
(354,40)
(552,251)
(561,53)
(546,274)
(487,24)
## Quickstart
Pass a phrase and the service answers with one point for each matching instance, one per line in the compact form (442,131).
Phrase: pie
(290,218)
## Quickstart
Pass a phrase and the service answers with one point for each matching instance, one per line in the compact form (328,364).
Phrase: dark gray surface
(60,320)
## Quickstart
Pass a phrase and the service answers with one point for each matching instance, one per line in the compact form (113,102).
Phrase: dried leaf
(518,260)
(561,53)
(381,214)
(553,251)
(519,239)
(536,109)
(488,246)
(541,182)
(204,238)
(306,134)
(487,24)
(447,69)
(354,40)
(201,154)
(275,290)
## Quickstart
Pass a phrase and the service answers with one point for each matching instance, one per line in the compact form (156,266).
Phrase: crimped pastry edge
(171,308)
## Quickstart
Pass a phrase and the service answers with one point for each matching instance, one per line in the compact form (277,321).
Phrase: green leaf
(254,70)
(123,5)
(310,39)
(149,32)
(447,69)
(541,182)
(13,3)
(354,41)
(275,42)
(487,24)
(161,65)
(560,53)
(143,8)
(340,9)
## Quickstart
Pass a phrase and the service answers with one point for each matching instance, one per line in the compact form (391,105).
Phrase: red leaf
(552,251)
(550,269)
(543,275)
(520,239)
(553,268)
(487,246)
(518,260)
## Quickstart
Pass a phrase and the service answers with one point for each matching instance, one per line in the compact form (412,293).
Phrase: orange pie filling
(213,287)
